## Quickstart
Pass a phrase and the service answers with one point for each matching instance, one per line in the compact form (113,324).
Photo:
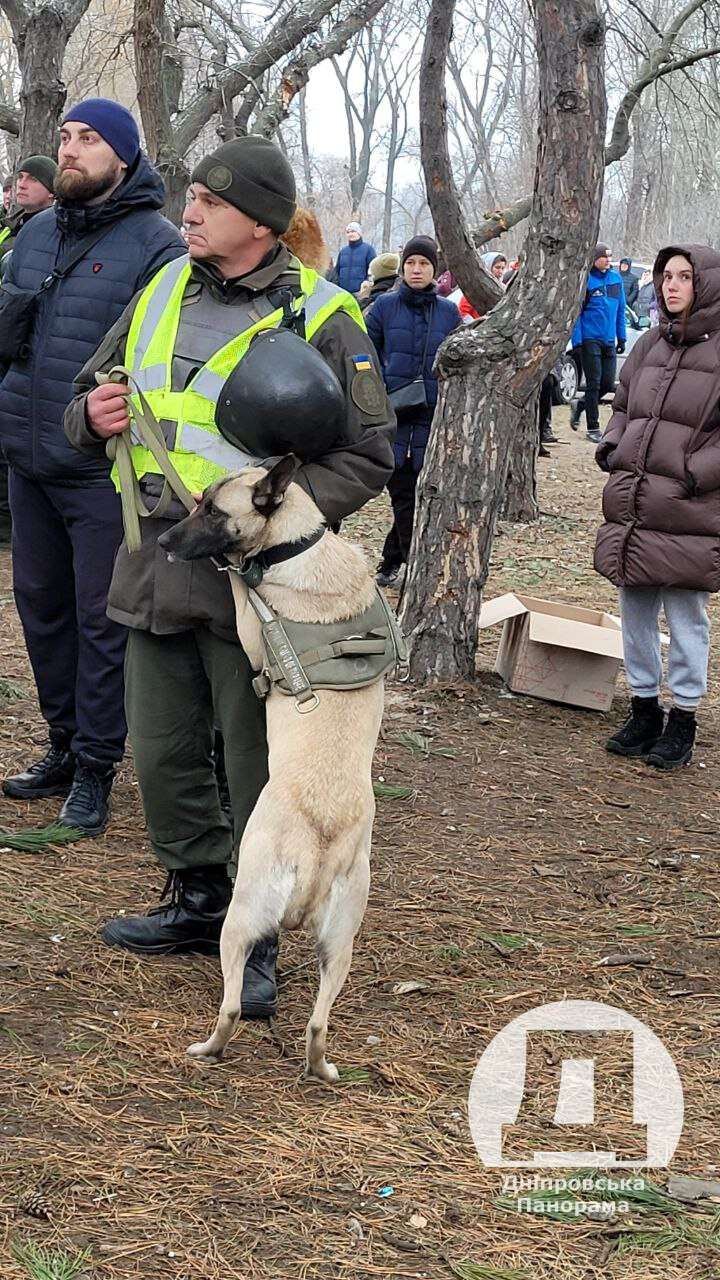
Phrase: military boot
(641,731)
(675,747)
(51,776)
(88,805)
(259,993)
(189,916)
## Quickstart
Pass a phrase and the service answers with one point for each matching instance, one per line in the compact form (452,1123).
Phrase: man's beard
(71,184)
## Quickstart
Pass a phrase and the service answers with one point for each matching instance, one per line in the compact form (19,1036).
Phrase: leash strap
(286,659)
(398,639)
(119,451)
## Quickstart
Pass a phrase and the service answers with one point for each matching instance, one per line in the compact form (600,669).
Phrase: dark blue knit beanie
(114,123)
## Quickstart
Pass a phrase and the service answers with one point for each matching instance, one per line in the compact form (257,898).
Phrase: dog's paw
(325,1071)
(199,1050)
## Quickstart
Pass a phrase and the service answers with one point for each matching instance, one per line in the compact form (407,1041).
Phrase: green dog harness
(300,657)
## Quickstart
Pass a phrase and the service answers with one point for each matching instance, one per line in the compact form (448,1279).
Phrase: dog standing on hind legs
(304,858)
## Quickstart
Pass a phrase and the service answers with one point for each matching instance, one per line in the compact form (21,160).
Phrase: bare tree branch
(655,66)
(295,75)
(244,35)
(285,36)
(9,119)
(458,248)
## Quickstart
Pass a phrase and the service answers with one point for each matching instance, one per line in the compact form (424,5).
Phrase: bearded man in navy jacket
(66,514)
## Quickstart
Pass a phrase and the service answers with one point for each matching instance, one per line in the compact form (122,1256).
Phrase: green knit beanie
(252,174)
(42,168)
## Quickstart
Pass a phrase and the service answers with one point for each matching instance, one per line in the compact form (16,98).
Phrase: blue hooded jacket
(353,263)
(74,315)
(398,326)
(602,318)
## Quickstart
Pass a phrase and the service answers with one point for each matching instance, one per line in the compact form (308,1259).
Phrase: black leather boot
(88,805)
(51,776)
(675,747)
(641,731)
(259,994)
(189,917)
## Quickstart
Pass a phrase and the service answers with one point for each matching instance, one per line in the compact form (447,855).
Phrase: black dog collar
(253,568)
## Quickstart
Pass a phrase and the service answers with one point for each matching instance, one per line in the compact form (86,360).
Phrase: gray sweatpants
(689,627)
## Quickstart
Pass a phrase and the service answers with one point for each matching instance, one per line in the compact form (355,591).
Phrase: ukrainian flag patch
(362,362)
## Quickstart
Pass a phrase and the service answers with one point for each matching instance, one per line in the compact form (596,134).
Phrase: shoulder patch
(368,392)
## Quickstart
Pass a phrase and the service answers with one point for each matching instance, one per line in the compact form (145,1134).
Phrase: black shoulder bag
(412,395)
(18,306)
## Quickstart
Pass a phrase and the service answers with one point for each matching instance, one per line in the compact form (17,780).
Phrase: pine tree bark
(489,373)
(520,497)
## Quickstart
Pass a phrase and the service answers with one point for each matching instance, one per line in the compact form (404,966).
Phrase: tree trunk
(307,164)
(177,179)
(520,498)
(41,50)
(150,63)
(490,372)
(390,177)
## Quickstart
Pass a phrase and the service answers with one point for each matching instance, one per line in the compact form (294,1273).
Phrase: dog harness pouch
(301,656)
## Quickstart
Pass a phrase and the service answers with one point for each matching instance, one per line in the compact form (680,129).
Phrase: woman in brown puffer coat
(660,543)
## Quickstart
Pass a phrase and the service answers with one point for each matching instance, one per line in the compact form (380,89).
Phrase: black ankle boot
(259,995)
(640,733)
(575,415)
(190,916)
(88,805)
(675,747)
(51,776)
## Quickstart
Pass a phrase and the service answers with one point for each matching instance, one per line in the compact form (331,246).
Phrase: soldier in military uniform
(180,339)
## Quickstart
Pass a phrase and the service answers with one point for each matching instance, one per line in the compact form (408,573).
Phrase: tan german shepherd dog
(304,857)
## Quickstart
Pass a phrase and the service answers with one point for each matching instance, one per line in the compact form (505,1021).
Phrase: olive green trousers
(178,689)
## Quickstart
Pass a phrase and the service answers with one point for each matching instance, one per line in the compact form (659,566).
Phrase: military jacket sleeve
(343,480)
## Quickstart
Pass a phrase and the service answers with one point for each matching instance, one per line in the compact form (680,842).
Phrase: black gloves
(620,348)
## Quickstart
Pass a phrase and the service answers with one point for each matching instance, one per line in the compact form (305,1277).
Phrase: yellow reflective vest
(197,450)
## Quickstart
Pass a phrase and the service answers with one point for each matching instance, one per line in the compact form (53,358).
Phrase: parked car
(566,379)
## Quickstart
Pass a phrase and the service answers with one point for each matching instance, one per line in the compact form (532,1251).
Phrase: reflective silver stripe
(320,296)
(208,384)
(156,306)
(152,378)
(214,448)
(169,430)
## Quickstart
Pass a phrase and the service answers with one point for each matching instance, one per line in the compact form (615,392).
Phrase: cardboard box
(556,651)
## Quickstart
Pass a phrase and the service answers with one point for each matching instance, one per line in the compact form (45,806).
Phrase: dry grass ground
(523,857)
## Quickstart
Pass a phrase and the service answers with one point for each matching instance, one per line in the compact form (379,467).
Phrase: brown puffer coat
(662,447)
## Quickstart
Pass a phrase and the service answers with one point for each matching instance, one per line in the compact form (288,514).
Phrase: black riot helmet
(282,397)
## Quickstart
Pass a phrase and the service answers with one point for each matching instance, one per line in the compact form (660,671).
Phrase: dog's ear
(269,492)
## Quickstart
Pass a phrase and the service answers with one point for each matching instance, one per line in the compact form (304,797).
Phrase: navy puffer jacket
(353,264)
(75,314)
(398,325)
